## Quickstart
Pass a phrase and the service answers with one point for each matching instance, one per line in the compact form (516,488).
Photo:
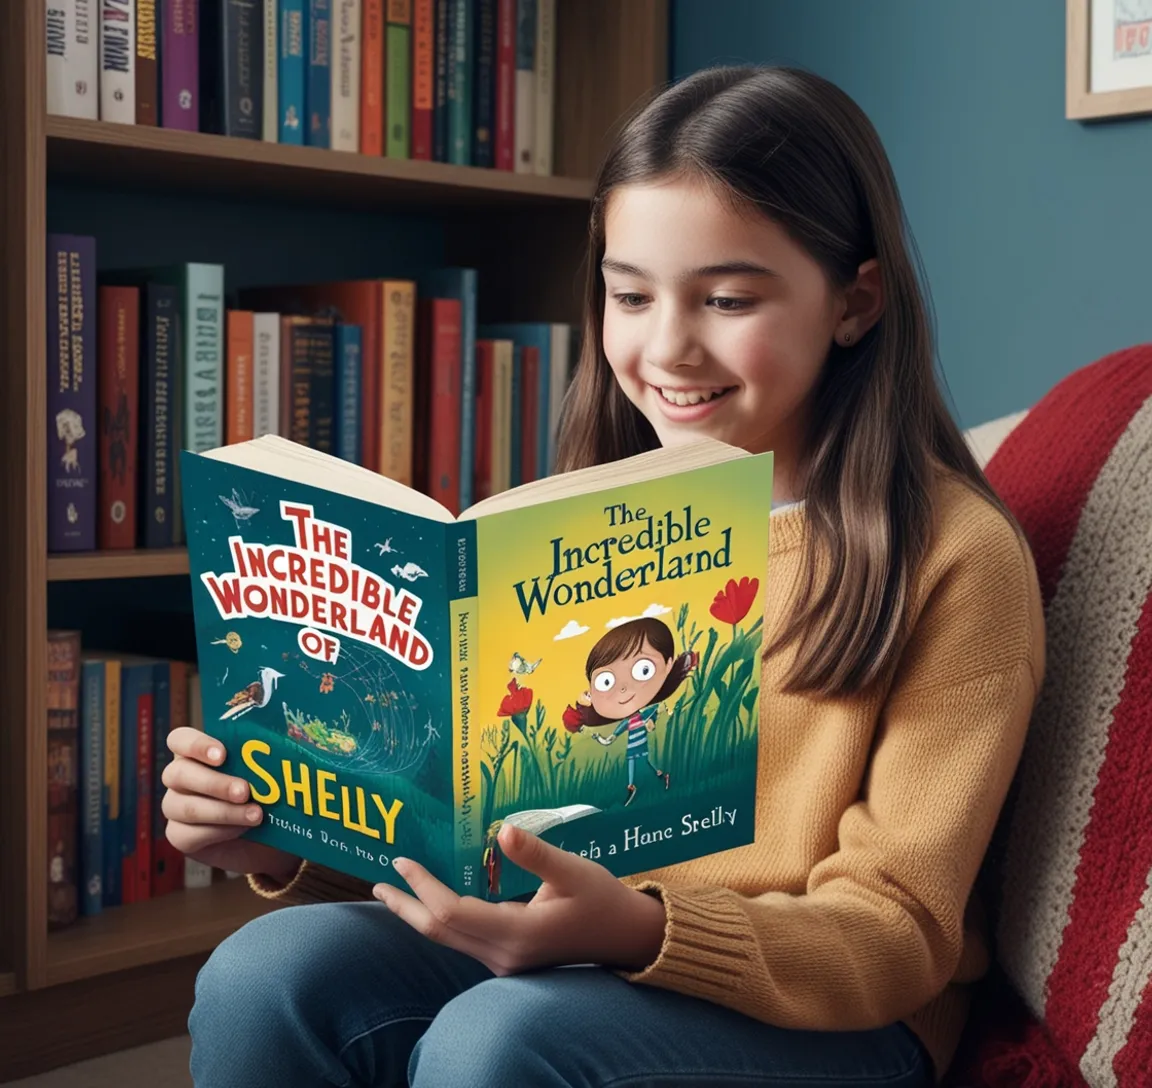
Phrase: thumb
(551,864)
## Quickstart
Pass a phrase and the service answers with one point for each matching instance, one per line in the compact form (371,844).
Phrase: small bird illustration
(409,572)
(385,547)
(519,665)
(241,510)
(256,694)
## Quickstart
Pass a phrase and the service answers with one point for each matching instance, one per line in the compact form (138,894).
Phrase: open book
(578,655)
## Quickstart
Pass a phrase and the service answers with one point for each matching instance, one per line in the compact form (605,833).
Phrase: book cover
(393,681)
(147,64)
(119,393)
(346,69)
(179,69)
(118,61)
(72,63)
(318,75)
(292,71)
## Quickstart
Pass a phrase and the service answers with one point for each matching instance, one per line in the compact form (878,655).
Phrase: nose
(671,343)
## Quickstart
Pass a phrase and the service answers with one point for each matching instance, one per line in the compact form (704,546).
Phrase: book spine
(292,71)
(164,684)
(156,414)
(133,691)
(72,393)
(468,799)
(442,29)
(423,78)
(92,787)
(63,705)
(396,383)
(73,58)
(505,84)
(119,389)
(398,76)
(318,93)
(266,375)
(238,410)
(296,383)
(348,391)
(545,86)
(270,103)
(243,61)
(484,87)
(322,372)
(147,65)
(204,357)
(524,128)
(167,861)
(482,461)
(111,887)
(529,396)
(460,84)
(118,61)
(501,415)
(179,72)
(372,80)
(515,466)
(443,447)
(142,848)
(346,76)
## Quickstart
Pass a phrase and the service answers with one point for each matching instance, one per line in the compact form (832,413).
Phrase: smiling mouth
(684,398)
(627,699)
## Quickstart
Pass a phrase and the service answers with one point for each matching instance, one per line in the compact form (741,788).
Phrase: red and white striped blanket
(1073,859)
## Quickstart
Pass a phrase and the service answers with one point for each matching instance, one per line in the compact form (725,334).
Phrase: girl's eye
(731,305)
(643,669)
(630,300)
(605,681)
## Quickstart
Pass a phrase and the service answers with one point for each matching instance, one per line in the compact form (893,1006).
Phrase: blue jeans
(348,994)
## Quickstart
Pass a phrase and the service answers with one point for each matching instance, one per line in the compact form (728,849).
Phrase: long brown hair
(797,149)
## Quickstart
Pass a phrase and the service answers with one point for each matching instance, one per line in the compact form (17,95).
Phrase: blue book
(349,366)
(462,284)
(92,727)
(291,71)
(319,74)
(161,724)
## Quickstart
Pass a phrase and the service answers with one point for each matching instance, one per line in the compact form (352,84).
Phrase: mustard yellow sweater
(851,908)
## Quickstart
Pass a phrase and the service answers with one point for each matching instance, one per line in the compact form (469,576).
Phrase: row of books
(469,82)
(109,716)
(392,374)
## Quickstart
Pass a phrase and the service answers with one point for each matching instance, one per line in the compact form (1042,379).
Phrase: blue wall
(1035,231)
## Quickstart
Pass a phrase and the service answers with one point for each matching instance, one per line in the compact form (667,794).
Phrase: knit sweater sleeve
(878,930)
(311,883)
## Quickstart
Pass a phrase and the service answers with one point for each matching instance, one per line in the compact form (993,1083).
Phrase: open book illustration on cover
(579,656)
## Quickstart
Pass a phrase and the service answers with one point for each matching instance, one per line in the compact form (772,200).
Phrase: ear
(863,303)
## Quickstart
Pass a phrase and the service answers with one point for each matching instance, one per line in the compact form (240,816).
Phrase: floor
(157,1065)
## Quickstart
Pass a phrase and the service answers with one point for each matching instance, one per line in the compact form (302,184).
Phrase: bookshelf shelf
(137,563)
(180,924)
(144,157)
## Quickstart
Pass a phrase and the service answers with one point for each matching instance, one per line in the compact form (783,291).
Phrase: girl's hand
(207,813)
(580,914)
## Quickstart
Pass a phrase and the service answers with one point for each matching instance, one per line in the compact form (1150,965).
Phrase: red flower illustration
(732,605)
(517,701)
(572,718)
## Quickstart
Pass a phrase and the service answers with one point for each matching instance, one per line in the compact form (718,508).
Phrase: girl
(750,280)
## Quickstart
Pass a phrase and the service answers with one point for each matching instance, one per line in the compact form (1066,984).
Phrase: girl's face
(716,324)
(628,684)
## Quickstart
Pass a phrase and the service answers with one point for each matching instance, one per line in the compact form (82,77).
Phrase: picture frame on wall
(1109,59)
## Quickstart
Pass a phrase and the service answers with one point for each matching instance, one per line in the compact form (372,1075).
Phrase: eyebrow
(728,268)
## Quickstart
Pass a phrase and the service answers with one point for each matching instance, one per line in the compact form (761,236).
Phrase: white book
(346,75)
(524,118)
(266,374)
(118,61)
(73,61)
(545,85)
(270,121)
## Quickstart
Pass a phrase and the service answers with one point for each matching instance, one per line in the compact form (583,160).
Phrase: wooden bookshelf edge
(180,924)
(139,154)
(99,566)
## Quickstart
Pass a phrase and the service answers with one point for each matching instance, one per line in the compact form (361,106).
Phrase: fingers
(192,838)
(467,915)
(193,744)
(193,808)
(186,775)
(563,870)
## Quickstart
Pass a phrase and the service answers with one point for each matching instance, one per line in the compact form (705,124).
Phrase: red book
(482,470)
(423,78)
(437,437)
(529,413)
(167,861)
(505,84)
(240,349)
(372,79)
(118,382)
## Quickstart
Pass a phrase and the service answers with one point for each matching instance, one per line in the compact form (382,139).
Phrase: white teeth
(684,399)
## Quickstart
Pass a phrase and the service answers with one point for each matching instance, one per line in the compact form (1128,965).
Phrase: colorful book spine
(292,71)
(460,66)
(545,86)
(505,138)
(442,29)
(372,80)
(438,412)
(202,313)
(423,77)
(266,374)
(484,86)
(73,63)
(318,91)
(135,715)
(119,396)
(396,384)
(118,61)
(349,390)
(239,425)
(398,79)
(72,393)
(92,727)
(346,67)
(167,861)
(270,112)
(158,417)
(179,72)
(63,704)
(146,737)
(524,129)
(112,889)
(147,64)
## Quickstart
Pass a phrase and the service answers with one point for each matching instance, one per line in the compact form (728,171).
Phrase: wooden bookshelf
(135,563)
(526,235)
